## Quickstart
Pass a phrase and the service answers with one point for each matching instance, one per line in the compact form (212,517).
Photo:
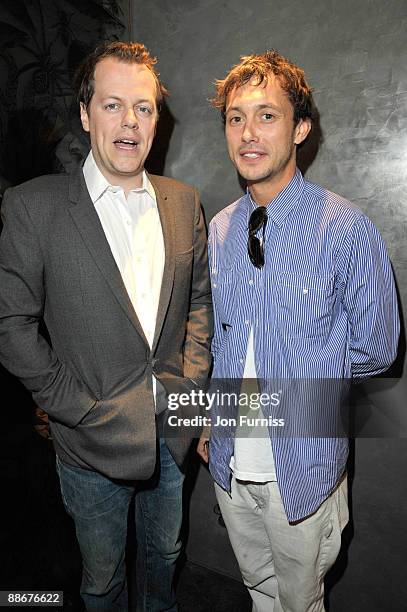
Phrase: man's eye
(268,116)
(112,106)
(144,110)
(235,120)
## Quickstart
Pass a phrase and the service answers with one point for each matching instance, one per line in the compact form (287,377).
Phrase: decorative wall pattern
(41,44)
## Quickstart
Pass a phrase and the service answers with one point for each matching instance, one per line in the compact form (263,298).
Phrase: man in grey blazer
(114,262)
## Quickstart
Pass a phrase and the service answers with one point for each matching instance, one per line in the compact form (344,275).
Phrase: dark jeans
(99,508)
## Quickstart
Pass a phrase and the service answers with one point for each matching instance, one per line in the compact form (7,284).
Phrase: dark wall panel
(354,54)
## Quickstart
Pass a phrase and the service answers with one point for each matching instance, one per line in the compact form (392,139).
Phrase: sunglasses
(255,247)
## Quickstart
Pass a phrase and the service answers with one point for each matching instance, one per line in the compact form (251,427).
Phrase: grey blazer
(95,378)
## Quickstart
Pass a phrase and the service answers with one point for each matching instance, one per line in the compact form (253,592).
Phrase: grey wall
(355,56)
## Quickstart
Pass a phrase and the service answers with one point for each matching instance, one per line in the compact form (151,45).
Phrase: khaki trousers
(283,564)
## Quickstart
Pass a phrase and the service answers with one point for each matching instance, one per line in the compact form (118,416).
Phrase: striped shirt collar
(281,206)
(97,184)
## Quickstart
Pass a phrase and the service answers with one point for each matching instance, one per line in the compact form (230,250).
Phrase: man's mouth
(126,143)
(251,154)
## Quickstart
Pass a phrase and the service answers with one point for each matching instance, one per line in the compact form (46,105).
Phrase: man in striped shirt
(303,293)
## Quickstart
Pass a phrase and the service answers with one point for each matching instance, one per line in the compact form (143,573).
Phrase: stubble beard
(271,172)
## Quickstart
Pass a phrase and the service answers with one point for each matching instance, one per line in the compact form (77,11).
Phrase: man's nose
(129,119)
(249,133)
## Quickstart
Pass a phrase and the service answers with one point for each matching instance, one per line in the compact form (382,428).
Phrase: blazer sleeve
(197,356)
(23,350)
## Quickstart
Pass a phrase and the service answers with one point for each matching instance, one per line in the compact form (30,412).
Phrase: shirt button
(251,281)
(247,322)
(128,222)
(305,290)
(241,360)
(214,285)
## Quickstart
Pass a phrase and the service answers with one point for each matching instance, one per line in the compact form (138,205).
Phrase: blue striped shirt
(323,307)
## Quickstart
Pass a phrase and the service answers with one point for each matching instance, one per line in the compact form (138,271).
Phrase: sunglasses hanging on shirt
(255,247)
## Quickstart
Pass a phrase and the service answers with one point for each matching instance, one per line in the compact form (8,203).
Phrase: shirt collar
(98,184)
(280,207)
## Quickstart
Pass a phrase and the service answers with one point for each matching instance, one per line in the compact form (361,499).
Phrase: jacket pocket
(186,256)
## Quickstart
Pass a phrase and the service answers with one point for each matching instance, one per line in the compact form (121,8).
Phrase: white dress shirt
(133,230)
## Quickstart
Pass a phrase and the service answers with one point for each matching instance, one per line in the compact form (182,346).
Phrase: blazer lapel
(166,209)
(88,224)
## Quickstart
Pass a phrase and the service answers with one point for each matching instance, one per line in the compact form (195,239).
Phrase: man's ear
(84,117)
(301,130)
(157,119)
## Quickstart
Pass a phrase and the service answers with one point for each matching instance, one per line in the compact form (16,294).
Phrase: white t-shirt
(253,455)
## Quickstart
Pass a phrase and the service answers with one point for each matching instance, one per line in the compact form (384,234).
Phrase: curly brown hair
(130,52)
(290,76)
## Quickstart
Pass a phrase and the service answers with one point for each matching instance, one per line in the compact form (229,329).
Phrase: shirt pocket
(224,296)
(304,305)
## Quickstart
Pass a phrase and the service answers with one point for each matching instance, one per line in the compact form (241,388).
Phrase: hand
(41,424)
(203,448)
